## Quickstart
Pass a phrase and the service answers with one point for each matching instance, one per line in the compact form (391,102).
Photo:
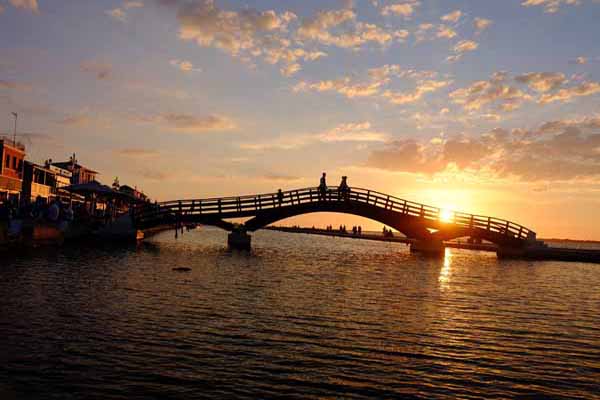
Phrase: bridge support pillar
(238,239)
(428,247)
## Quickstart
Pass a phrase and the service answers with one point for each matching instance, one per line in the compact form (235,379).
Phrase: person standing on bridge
(344,189)
(323,187)
(280,197)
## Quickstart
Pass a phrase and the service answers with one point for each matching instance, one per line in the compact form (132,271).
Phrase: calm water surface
(302,316)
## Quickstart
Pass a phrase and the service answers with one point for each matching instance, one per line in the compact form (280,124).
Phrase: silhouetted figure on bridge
(359,230)
(280,197)
(323,187)
(344,189)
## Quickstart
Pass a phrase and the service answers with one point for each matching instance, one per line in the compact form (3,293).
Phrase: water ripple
(299,317)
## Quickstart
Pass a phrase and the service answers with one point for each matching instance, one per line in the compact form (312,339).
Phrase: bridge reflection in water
(428,226)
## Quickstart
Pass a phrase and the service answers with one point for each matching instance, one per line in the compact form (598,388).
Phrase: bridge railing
(232,206)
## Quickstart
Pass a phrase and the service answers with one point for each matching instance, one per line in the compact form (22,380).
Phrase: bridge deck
(247,206)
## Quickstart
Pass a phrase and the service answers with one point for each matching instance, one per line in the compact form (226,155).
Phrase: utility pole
(15,130)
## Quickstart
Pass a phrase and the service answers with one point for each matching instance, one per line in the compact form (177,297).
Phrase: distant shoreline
(571,240)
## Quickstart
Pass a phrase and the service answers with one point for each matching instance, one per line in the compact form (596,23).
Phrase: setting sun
(446,215)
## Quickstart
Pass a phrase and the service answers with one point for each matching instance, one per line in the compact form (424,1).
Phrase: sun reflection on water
(444,278)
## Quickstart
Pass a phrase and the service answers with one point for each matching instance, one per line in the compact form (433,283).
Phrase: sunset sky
(484,106)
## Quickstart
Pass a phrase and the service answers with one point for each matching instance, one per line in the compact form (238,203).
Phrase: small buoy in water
(182,269)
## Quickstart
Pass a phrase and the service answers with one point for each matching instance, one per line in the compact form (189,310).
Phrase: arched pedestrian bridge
(428,226)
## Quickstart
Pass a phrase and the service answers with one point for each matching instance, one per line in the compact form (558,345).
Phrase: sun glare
(446,215)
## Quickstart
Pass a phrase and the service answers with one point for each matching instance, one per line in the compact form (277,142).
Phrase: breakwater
(541,252)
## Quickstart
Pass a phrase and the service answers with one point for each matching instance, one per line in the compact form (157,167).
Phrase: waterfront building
(133,192)
(38,181)
(12,155)
(62,175)
(80,174)
(63,179)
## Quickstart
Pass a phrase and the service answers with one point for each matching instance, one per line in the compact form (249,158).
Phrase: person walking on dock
(323,187)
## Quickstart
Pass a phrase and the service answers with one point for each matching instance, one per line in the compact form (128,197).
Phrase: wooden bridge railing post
(219,205)
(193,206)
(404,207)
(489,221)
(368,195)
(422,213)
(520,231)
(387,202)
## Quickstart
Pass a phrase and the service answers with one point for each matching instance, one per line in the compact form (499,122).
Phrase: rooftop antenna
(15,130)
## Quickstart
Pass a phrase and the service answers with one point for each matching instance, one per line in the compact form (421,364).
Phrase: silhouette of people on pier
(280,197)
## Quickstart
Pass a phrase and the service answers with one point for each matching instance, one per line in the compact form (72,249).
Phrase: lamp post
(15,131)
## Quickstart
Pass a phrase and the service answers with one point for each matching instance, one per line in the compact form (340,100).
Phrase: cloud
(569,93)
(427,31)
(423,87)
(550,6)
(319,29)
(353,132)
(14,85)
(496,92)
(31,5)
(405,9)
(481,24)
(385,72)
(84,119)
(133,4)
(289,58)
(117,14)
(280,177)
(541,87)
(101,70)
(569,150)
(186,123)
(120,13)
(184,65)
(137,153)
(154,174)
(377,79)
(406,155)
(231,31)
(343,133)
(542,81)
(462,47)
(249,33)
(277,38)
(76,120)
(445,32)
(343,86)
(454,16)
(1,8)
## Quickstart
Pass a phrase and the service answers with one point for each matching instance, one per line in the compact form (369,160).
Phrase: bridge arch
(414,220)
(403,225)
